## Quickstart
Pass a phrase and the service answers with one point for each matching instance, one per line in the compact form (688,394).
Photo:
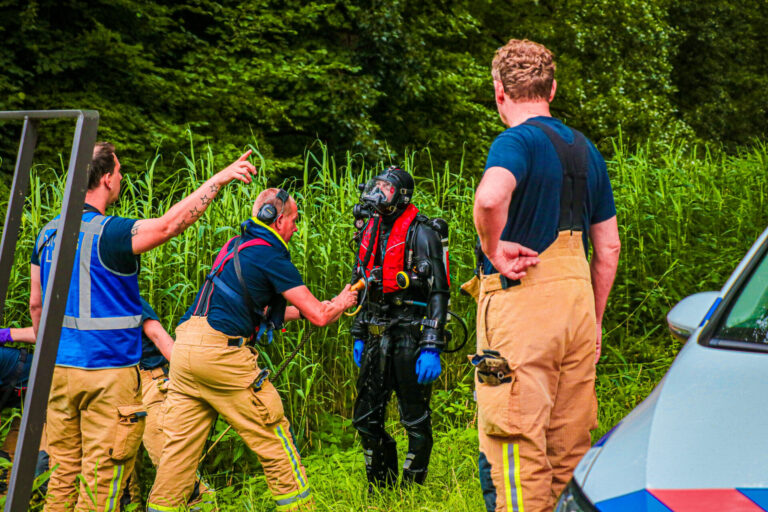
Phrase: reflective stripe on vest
(85,322)
(102,323)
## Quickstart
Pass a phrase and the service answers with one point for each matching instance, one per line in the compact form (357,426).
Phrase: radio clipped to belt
(492,369)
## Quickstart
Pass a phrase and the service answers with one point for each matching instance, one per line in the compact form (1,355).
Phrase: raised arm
(159,336)
(319,313)
(490,212)
(150,233)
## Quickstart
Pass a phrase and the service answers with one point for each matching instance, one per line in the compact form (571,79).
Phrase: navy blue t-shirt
(267,271)
(534,211)
(115,245)
(151,357)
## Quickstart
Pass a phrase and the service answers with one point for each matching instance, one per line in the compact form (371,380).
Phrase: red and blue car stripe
(688,500)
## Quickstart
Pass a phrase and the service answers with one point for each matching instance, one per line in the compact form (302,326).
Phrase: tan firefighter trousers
(208,376)
(153,384)
(154,387)
(535,426)
(95,423)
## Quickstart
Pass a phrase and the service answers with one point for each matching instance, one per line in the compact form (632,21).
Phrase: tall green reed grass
(685,220)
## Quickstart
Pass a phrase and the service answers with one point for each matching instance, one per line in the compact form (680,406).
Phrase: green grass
(685,220)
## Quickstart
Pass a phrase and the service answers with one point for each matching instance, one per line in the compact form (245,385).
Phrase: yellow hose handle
(356,288)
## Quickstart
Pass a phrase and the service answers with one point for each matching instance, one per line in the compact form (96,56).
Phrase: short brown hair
(525,69)
(103,162)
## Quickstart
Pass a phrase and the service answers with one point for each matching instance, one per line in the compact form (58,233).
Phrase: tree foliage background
(376,77)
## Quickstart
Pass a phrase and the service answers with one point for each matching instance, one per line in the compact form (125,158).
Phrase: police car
(699,442)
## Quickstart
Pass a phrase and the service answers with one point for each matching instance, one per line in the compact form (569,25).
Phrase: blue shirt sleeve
(282,273)
(147,313)
(603,207)
(116,248)
(509,151)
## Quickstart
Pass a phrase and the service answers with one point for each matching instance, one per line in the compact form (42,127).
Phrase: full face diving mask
(381,196)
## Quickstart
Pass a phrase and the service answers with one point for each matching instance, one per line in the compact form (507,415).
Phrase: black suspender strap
(239,273)
(574,161)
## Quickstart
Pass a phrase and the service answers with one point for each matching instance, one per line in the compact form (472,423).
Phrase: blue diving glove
(428,365)
(265,328)
(357,353)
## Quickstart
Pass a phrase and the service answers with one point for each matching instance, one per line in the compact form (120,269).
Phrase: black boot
(381,466)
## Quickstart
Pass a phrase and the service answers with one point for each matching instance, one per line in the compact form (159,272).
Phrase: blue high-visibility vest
(102,320)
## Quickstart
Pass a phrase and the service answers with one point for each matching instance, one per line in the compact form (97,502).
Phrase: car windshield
(747,321)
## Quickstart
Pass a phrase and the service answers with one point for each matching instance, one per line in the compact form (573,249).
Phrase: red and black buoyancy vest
(394,256)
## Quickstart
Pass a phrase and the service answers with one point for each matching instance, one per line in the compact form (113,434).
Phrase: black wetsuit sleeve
(427,245)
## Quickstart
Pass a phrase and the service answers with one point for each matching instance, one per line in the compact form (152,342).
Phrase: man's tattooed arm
(150,233)
(135,228)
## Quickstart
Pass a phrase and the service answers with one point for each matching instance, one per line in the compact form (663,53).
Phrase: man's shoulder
(117,223)
(264,253)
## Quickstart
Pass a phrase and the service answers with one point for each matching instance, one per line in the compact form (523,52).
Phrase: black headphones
(268,212)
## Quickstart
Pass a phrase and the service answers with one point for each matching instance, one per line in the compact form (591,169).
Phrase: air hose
(454,315)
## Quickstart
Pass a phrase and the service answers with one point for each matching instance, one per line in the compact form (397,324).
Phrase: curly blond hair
(525,69)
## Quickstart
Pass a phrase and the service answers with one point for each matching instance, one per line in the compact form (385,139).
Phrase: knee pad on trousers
(486,483)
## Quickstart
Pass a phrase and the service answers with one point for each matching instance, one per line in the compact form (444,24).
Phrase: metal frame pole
(49,330)
(16,205)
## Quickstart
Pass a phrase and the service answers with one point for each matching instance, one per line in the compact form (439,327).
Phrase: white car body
(699,442)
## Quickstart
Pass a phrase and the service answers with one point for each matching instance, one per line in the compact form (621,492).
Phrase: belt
(156,373)
(377,330)
(492,282)
(212,338)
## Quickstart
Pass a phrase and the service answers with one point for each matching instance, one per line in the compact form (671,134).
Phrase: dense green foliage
(370,76)
(720,68)
(685,220)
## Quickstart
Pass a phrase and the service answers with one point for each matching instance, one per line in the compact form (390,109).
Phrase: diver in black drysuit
(398,345)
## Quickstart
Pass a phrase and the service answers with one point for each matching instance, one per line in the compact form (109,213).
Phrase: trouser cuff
(293,500)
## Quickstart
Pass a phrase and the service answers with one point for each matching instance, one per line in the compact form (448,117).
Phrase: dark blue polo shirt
(534,211)
(267,271)
(151,357)
(115,245)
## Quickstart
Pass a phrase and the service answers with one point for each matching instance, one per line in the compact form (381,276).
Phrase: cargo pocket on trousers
(499,407)
(268,404)
(128,431)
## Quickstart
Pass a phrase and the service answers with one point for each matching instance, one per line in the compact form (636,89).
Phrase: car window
(747,320)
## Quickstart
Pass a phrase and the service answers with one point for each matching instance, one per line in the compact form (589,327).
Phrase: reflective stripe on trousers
(534,427)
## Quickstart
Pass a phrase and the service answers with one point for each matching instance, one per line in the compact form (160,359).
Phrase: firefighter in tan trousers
(544,193)
(214,372)
(95,415)
(156,349)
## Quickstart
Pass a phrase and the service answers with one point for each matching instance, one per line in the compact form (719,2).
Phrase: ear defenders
(268,212)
